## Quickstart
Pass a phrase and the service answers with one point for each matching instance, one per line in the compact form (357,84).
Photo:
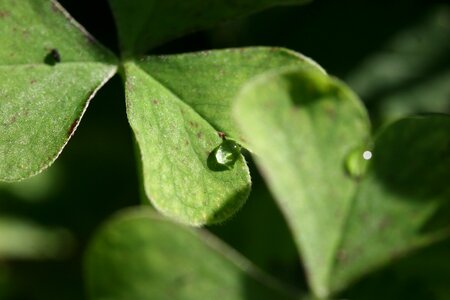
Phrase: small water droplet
(227,153)
(224,156)
(367,155)
(356,161)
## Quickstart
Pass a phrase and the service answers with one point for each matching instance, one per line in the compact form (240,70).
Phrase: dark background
(96,174)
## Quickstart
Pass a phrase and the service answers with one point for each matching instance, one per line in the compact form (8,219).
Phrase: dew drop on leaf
(356,162)
(367,155)
(227,153)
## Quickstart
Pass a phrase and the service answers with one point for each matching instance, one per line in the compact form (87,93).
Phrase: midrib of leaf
(340,239)
(334,246)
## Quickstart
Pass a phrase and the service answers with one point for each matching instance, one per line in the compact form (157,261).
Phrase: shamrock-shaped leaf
(345,222)
(178,107)
(49,70)
(139,255)
(143,24)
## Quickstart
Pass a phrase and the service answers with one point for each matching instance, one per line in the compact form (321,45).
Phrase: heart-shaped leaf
(145,24)
(139,255)
(49,70)
(176,106)
(345,222)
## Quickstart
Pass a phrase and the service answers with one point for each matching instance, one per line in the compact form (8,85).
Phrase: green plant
(349,213)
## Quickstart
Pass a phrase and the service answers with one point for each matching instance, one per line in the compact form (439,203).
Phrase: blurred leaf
(345,224)
(49,70)
(139,255)
(21,239)
(176,105)
(35,189)
(302,125)
(423,275)
(403,201)
(429,95)
(143,25)
(430,267)
(410,73)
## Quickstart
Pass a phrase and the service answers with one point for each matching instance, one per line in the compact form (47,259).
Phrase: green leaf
(302,124)
(207,81)
(403,203)
(345,223)
(421,275)
(411,72)
(143,25)
(21,239)
(176,105)
(49,70)
(139,255)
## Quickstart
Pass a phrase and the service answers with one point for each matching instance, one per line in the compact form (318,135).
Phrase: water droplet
(356,162)
(224,156)
(367,155)
(227,153)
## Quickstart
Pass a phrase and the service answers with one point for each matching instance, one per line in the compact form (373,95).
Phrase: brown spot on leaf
(193,124)
(155,101)
(342,256)
(3,14)
(11,121)
(199,135)
(33,81)
(72,127)
(221,134)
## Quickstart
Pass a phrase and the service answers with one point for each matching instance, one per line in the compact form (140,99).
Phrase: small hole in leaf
(53,57)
